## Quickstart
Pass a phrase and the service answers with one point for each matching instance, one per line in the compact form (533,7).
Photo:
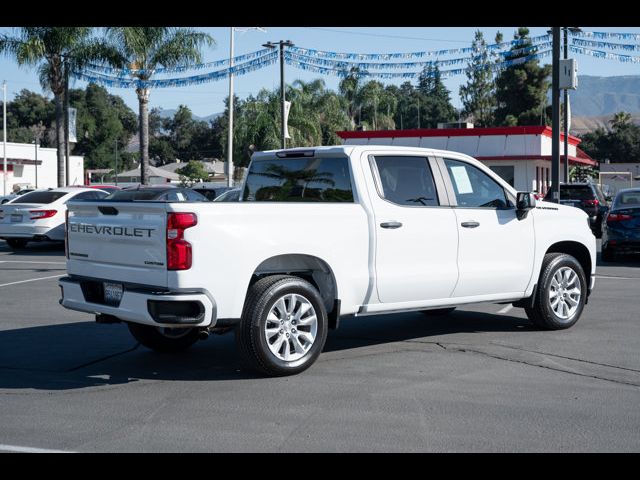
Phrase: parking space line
(32,280)
(15,448)
(505,309)
(617,278)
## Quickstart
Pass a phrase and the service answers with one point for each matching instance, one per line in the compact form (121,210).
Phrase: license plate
(16,217)
(113,293)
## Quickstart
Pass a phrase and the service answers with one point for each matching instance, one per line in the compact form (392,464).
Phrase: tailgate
(123,241)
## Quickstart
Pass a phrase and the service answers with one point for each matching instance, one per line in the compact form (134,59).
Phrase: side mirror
(525,202)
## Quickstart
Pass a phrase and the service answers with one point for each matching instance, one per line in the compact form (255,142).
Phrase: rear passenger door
(416,232)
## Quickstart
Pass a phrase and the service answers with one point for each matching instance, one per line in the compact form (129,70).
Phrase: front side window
(473,187)
(299,180)
(407,181)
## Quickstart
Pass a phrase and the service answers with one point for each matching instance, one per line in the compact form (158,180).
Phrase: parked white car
(321,233)
(40,215)
(12,196)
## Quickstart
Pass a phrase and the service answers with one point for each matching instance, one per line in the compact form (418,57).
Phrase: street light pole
(66,120)
(230,144)
(231,102)
(555,121)
(282,44)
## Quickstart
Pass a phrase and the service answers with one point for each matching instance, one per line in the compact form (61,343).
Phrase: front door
(496,249)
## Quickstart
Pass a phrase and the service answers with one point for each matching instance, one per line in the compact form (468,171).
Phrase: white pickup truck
(319,234)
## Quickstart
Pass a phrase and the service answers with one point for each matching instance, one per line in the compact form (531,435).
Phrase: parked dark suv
(587,197)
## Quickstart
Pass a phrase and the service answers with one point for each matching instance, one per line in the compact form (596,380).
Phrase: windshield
(41,197)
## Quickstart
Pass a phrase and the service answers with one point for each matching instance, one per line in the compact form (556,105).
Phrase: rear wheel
(17,243)
(283,327)
(164,340)
(561,293)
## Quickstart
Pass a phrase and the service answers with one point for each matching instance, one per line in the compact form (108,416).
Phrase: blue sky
(209,98)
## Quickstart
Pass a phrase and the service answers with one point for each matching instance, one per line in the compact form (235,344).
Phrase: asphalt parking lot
(481,379)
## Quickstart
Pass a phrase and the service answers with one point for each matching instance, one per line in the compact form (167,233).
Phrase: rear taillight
(591,203)
(39,214)
(618,217)
(178,249)
(66,233)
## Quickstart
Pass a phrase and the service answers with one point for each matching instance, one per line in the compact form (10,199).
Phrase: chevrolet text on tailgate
(320,234)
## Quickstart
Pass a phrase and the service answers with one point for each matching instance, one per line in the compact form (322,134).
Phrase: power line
(351,32)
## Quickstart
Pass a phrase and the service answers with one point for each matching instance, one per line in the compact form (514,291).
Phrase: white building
(520,155)
(23,170)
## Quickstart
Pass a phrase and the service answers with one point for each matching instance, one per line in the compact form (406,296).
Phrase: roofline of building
(456,132)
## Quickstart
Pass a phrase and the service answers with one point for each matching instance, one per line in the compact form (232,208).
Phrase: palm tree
(143,49)
(49,48)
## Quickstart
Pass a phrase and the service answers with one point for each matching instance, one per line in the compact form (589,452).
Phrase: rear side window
(299,180)
(41,197)
(407,181)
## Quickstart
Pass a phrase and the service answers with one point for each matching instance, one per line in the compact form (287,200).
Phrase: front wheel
(561,293)
(164,340)
(283,327)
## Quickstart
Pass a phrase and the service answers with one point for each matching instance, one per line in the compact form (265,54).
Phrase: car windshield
(628,199)
(41,197)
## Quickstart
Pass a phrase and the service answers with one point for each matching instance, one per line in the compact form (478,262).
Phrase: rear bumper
(137,305)
(30,232)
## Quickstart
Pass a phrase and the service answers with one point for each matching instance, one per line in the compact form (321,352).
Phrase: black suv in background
(587,197)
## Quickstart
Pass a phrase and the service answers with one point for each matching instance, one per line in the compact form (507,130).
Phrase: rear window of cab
(305,179)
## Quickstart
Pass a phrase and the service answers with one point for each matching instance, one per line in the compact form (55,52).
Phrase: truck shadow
(81,355)
(35,249)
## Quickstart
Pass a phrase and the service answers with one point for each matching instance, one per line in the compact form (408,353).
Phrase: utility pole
(282,44)
(566,112)
(555,121)
(4,136)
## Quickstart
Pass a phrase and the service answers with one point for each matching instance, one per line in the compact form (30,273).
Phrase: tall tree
(143,49)
(435,102)
(478,94)
(50,49)
(522,88)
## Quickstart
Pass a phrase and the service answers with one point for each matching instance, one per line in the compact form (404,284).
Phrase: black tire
(252,342)
(17,243)
(438,311)
(153,338)
(542,315)
(607,254)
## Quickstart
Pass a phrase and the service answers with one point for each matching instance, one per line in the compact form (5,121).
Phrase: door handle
(471,224)
(391,224)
